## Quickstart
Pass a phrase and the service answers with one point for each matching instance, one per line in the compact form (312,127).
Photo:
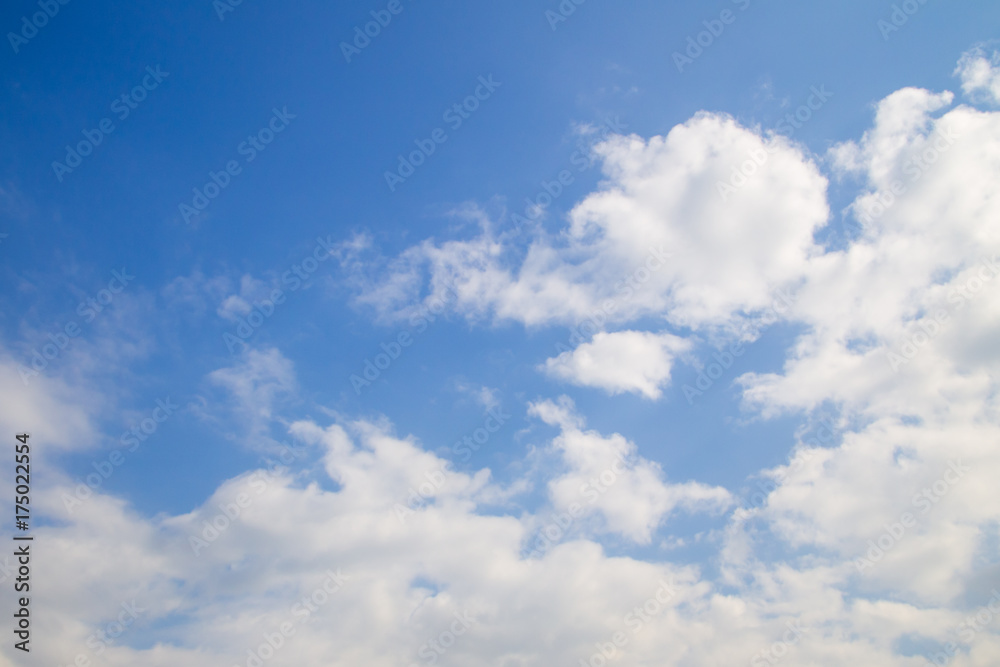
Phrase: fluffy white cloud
(895,331)
(656,239)
(605,476)
(212,583)
(881,314)
(356,583)
(730,253)
(980,75)
(624,361)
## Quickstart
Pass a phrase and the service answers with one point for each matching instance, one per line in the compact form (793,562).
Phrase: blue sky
(254,115)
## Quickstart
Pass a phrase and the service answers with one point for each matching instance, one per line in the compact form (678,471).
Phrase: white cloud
(606,476)
(404,581)
(980,75)
(918,252)
(258,382)
(895,331)
(47,407)
(729,256)
(624,361)
(656,239)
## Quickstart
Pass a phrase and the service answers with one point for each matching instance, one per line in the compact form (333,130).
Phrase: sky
(397,333)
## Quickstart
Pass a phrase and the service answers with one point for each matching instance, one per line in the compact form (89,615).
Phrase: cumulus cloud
(625,361)
(353,582)
(213,582)
(894,336)
(605,476)
(980,75)
(656,239)
(884,309)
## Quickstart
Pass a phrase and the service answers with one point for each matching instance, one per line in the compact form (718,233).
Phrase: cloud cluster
(864,548)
